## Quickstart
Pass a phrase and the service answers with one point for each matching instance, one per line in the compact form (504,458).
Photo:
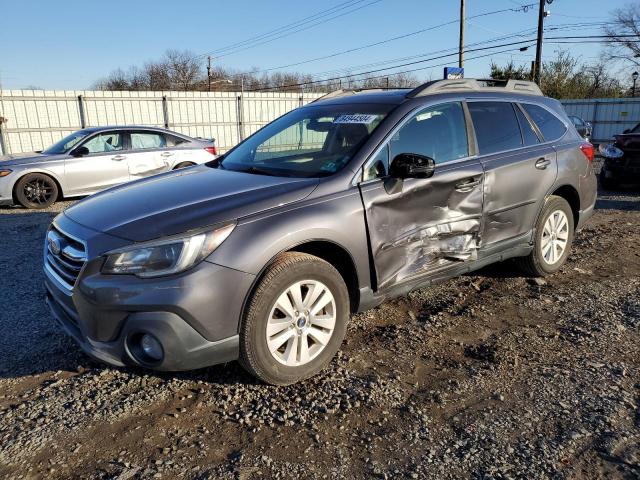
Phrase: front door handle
(166,154)
(118,158)
(543,163)
(467,185)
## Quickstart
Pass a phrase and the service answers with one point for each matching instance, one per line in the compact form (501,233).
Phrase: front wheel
(552,241)
(295,321)
(36,190)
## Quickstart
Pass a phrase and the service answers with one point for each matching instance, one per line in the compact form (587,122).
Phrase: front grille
(65,256)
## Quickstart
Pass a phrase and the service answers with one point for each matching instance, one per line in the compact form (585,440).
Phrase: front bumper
(195,315)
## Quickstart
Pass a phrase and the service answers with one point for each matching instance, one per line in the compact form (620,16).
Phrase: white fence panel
(34,119)
(609,116)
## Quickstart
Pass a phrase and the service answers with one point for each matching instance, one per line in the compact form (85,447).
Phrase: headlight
(167,256)
(610,151)
(4,172)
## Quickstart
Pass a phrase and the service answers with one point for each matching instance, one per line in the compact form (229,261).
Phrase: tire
(544,259)
(607,183)
(36,190)
(183,165)
(286,274)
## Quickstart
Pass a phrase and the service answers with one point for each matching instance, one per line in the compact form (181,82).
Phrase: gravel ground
(486,376)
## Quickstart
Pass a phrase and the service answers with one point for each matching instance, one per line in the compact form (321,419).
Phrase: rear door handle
(467,185)
(118,158)
(543,163)
(166,154)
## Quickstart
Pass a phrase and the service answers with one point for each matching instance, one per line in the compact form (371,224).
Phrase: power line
(291,32)
(297,23)
(382,42)
(393,67)
(351,76)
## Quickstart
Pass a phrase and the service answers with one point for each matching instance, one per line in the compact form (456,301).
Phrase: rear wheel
(36,190)
(183,165)
(553,238)
(296,320)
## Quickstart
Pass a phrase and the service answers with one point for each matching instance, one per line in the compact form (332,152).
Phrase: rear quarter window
(551,127)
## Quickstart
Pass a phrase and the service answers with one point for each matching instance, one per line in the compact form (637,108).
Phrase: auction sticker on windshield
(356,118)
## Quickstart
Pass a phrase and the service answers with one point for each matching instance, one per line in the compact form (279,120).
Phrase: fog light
(151,347)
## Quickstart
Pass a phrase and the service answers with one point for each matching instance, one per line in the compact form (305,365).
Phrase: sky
(69,44)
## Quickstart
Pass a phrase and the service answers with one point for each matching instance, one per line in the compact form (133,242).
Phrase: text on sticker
(356,118)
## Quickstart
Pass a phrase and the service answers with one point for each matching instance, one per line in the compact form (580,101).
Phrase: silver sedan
(93,159)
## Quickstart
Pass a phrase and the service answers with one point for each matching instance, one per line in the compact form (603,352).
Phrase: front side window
(550,126)
(147,140)
(438,132)
(496,126)
(313,141)
(104,143)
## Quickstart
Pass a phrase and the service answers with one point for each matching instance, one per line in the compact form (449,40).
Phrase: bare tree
(625,21)
(184,68)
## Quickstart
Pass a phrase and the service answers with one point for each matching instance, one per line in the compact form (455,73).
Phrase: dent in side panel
(429,225)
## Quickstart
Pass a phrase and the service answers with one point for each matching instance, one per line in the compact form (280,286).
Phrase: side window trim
(531,122)
(471,140)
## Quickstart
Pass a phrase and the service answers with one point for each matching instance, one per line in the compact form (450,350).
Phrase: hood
(175,202)
(17,159)
(630,141)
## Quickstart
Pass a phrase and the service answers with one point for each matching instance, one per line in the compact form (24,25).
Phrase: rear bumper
(584,216)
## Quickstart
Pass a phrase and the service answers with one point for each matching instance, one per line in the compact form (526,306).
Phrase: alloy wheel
(555,236)
(38,191)
(301,323)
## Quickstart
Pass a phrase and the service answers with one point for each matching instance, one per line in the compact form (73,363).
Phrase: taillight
(211,150)
(588,151)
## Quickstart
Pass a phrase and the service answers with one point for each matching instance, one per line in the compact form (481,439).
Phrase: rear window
(550,126)
(496,126)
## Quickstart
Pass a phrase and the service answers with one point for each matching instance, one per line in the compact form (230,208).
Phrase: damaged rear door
(419,226)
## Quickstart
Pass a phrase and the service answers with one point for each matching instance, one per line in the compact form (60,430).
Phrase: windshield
(314,141)
(67,143)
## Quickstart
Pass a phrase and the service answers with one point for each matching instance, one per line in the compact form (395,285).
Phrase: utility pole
(538,65)
(461,48)
(209,71)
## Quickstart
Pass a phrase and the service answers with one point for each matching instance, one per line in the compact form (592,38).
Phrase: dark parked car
(262,254)
(583,127)
(621,159)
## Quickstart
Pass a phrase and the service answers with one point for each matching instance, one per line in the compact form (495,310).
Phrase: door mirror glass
(412,165)
(80,152)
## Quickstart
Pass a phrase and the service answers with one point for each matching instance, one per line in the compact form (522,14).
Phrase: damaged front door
(418,226)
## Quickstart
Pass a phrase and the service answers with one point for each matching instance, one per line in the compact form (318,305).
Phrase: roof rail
(343,92)
(475,85)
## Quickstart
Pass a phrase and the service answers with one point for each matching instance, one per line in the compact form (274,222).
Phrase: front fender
(336,218)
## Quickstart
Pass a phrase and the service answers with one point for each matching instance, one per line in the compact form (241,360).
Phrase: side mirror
(627,131)
(80,152)
(412,165)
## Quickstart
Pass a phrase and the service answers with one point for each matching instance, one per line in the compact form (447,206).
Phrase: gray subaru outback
(262,254)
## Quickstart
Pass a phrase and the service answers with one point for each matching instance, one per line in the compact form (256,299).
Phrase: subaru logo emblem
(54,245)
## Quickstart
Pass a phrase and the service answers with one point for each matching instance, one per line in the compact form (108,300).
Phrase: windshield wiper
(260,171)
